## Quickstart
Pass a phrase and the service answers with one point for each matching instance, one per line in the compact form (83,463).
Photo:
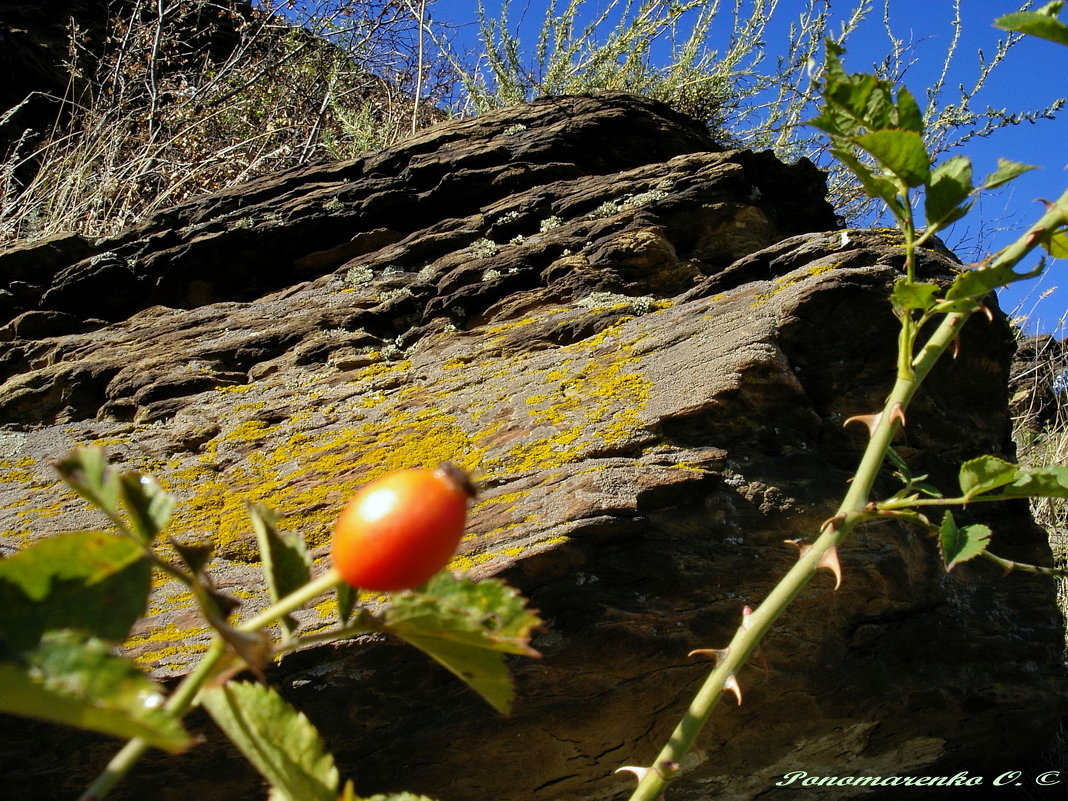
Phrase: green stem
(297,599)
(1008,565)
(851,512)
(363,625)
(963,500)
(184,696)
(911,372)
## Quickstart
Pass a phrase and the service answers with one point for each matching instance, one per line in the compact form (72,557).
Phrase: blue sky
(1034,73)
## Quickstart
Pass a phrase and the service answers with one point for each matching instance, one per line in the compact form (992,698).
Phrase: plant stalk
(757,624)
(184,696)
(912,370)
(850,513)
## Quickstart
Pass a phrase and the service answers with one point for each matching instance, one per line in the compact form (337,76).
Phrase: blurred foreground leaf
(89,580)
(1042,23)
(68,679)
(148,505)
(86,471)
(285,559)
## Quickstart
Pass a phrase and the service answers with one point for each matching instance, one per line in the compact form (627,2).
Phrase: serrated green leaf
(278,740)
(851,102)
(950,185)
(834,122)
(913,484)
(148,506)
(987,473)
(900,152)
(961,544)
(86,471)
(1057,245)
(466,627)
(1042,23)
(895,458)
(484,671)
(929,490)
(834,69)
(1006,171)
(89,580)
(1043,482)
(973,285)
(906,295)
(858,102)
(843,113)
(77,682)
(984,474)
(285,558)
(864,99)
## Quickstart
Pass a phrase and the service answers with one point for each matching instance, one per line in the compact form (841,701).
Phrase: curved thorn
(731,686)
(956,346)
(832,522)
(870,420)
(717,654)
(638,772)
(829,560)
(986,310)
(898,414)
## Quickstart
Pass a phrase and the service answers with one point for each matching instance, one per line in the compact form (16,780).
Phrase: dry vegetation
(187,96)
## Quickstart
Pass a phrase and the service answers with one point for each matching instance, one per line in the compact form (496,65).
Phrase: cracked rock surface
(645,346)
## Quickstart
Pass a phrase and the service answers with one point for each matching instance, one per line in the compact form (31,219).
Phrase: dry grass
(163,114)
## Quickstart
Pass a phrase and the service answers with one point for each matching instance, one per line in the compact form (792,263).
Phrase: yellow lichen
(305,467)
(820,269)
(173,641)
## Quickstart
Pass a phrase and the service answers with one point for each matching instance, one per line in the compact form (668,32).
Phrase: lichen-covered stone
(644,347)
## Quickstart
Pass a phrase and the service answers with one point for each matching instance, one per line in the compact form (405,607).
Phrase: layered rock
(644,346)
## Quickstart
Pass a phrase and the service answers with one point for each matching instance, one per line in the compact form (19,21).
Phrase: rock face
(645,346)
